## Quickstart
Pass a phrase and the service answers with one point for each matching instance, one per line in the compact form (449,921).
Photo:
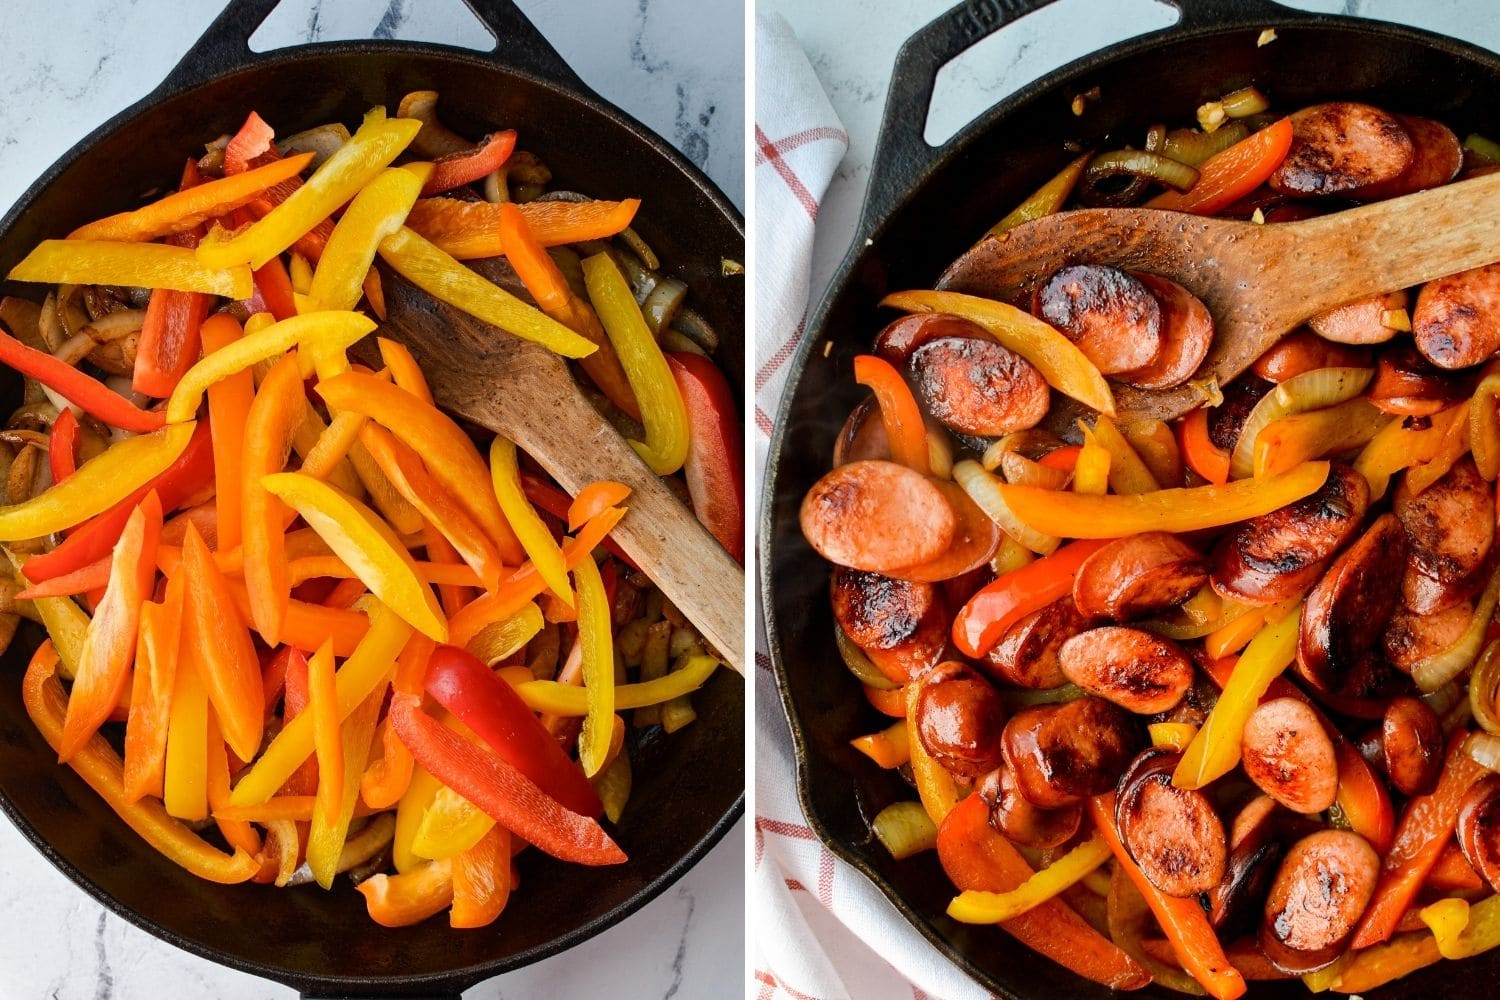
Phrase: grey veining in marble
(675,64)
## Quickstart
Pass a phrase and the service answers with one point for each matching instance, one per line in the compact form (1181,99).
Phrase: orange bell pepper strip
(168,342)
(899,412)
(593,499)
(134,265)
(267,443)
(109,645)
(410,897)
(1398,447)
(1230,175)
(1064,458)
(481,880)
(323,705)
(330,821)
(1009,598)
(440,552)
(552,500)
(62,446)
(535,537)
(1181,918)
(891,747)
(1198,450)
(1302,437)
(386,780)
(225,653)
(976,857)
(889,702)
(84,392)
(101,769)
(157,643)
(228,406)
(1453,446)
(303,781)
(470,165)
(238,833)
(471,229)
(1453,871)
(405,371)
(305,568)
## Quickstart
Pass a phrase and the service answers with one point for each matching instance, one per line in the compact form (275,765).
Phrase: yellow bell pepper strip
(1453,446)
(536,538)
(481,881)
(326,456)
(1061,363)
(237,833)
(1127,472)
(376,212)
(157,648)
(935,786)
(98,485)
(323,706)
(134,265)
(305,568)
(1046,200)
(1302,437)
(888,748)
(1398,447)
(183,210)
(366,544)
(446,450)
(65,622)
(444,278)
(451,825)
(228,406)
(1176,735)
(1092,470)
(374,145)
(410,812)
(1075,515)
(471,229)
(301,274)
(900,415)
(267,443)
(1374,967)
(76,387)
(333,331)
(330,828)
(1484,423)
(185,787)
(1215,751)
(978,907)
(367,667)
(663,411)
(554,698)
(100,768)
(109,644)
(596,638)
(1461,929)
(410,897)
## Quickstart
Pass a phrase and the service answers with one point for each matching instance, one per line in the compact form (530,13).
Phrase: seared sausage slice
(1063,753)
(1113,318)
(1276,556)
(899,338)
(1187,332)
(1319,895)
(1021,821)
(901,625)
(1255,823)
(1287,753)
(1411,740)
(863,435)
(978,387)
(1226,420)
(1437,160)
(1026,655)
(1451,524)
(1423,595)
(1343,148)
(1140,672)
(959,718)
(1367,688)
(1409,385)
(1479,829)
(1457,320)
(1304,351)
(1138,575)
(1361,588)
(1235,903)
(877,516)
(973,543)
(1359,322)
(1410,637)
(1173,833)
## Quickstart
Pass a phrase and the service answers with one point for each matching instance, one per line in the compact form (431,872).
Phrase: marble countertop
(677,65)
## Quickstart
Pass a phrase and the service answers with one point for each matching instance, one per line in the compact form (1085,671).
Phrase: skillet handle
(524,46)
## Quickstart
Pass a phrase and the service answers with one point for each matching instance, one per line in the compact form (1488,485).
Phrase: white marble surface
(675,64)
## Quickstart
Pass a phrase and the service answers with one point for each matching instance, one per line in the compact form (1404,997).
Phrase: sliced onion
(1183,623)
(49,326)
(904,828)
(1139,163)
(662,303)
(1440,668)
(692,324)
(1015,698)
(939,451)
(322,141)
(1023,471)
(1244,102)
(1309,391)
(1444,699)
(1484,686)
(1483,749)
(1190,146)
(983,489)
(860,665)
(120,323)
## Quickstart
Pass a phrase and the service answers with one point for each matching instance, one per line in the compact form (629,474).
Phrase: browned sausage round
(899,338)
(1457,320)
(1276,556)
(978,387)
(1021,821)
(863,435)
(1436,160)
(1226,420)
(1411,739)
(1342,148)
(1138,575)
(1361,587)
(1113,318)
(1410,637)
(877,516)
(1479,829)
(1027,654)
(1140,672)
(959,718)
(973,543)
(1173,833)
(1255,823)
(1187,332)
(1319,895)
(1287,753)
(1359,322)
(1423,595)
(1450,524)
(1367,687)
(1304,351)
(1409,385)
(1063,753)
(1236,902)
(901,625)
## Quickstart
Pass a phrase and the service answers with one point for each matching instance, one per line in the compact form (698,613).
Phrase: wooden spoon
(524,391)
(1259,281)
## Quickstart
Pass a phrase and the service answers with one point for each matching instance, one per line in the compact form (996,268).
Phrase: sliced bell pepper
(410,897)
(65,622)
(451,825)
(889,748)
(134,265)
(1484,423)
(376,212)
(471,229)
(252,140)
(556,698)
(1453,446)
(1198,450)
(1127,472)
(974,906)
(330,827)
(935,786)
(663,411)
(1228,176)
(1463,930)
(267,443)
(1091,472)
(185,782)
(328,747)
(88,394)
(229,402)
(549,498)
(481,881)
(405,371)
(593,499)
(305,568)
(1009,598)
(237,833)
(899,413)
(62,446)
(158,640)
(596,639)
(168,343)
(1398,447)
(386,780)
(213,628)
(540,546)
(1302,437)
(420,794)
(470,165)
(1046,200)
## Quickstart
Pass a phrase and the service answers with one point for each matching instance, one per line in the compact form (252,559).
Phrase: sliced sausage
(1361,587)
(1187,332)
(1195,706)
(1409,385)
(1423,595)
(1026,655)
(1140,672)
(901,625)
(1450,524)
(1021,821)
(899,338)
(1236,902)
(1359,322)
(978,387)
(1479,829)
(1457,320)
(1410,638)
(1113,318)
(973,543)
(959,718)
(1062,753)
(1226,420)
(1172,833)
(863,435)
(1287,753)
(1436,161)
(1305,351)
(1342,148)
(1317,899)
(877,516)
(1138,575)
(1276,556)
(1367,687)
(1411,741)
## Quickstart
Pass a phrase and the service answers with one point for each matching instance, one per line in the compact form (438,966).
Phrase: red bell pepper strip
(94,576)
(304,780)
(252,140)
(1198,449)
(1228,176)
(448,172)
(273,286)
(497,715)
(79,389)
(225,654)
(984,619)
(1064,458)
(557,503)
(255,137)
(899,412)
(501,791)
(715,467)
(168,345)
(62,448)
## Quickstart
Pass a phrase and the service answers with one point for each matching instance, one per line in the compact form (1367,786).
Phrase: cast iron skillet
(925,206)
(689,789)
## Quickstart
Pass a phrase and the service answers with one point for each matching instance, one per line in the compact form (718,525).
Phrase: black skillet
(924,207)
(689,789)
